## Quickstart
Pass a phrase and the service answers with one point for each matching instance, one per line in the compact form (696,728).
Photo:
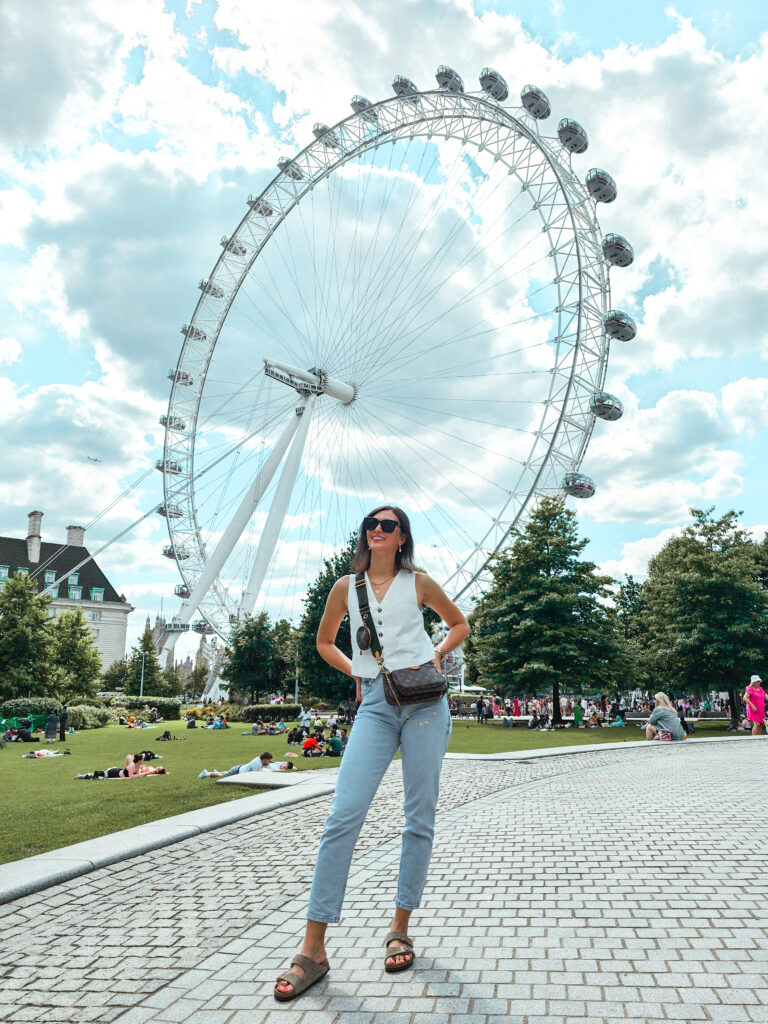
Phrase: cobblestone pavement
(606,886)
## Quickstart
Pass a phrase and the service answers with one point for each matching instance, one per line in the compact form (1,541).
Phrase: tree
(249,661)
(196,679)
(317,676)
(706,611)
(633,629)
(26,639)
(174,681)
(114,677)
(154,681)
(545,618)
(285,639)
(75,655)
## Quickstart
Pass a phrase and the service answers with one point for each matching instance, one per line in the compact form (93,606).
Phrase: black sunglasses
(387,525)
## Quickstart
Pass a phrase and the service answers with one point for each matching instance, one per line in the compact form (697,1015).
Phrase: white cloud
(636,554)
(10,350)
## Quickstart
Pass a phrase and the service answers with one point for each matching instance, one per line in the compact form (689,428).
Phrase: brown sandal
(313,972)
(395,968)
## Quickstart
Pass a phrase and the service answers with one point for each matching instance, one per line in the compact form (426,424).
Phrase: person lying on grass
(264,762)
(46,753)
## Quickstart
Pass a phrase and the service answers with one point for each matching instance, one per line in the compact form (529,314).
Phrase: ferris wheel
(414,310)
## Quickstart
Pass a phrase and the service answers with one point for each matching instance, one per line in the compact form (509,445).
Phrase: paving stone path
(610,886)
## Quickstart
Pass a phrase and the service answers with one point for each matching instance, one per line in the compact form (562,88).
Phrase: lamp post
(141,686)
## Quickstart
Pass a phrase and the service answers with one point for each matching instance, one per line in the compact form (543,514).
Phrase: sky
(134,134)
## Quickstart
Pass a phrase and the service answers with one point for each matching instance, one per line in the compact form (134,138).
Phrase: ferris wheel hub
(310,382)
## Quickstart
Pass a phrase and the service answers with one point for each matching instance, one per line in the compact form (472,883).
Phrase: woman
(754,698)
(396,593)
(664,719)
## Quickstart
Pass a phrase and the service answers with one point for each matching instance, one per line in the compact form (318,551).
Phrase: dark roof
(63,559)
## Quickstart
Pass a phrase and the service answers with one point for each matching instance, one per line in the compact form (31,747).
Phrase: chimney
(33,537)
(75,536)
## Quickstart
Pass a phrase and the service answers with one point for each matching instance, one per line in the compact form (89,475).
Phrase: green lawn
(43,809)
(470,738)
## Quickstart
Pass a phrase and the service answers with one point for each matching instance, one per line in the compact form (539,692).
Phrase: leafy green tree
(114,677)
(632,624)
(174,682)
(545,618)
(154,680)
(75,655)
(315,675)
(285,639)
(196,680)
(26,639)
(706,611)
(249,663)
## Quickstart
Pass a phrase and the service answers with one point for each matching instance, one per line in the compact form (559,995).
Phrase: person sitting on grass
(333,747)
(594,721)
(619,723)
(311,747)
(261,763)
(664,723)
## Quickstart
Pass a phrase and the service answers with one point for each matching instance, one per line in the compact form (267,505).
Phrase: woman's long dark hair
(404,557)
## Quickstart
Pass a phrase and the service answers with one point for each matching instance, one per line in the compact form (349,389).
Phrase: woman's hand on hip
(358,697)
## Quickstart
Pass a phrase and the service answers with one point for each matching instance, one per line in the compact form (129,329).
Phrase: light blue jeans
(240,769)
(421,732)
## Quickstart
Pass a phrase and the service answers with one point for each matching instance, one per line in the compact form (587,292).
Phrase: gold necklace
(380,584)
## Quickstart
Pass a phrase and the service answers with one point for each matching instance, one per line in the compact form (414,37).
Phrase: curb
(23,877)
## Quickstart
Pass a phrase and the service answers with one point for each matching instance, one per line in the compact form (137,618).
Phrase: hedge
(87,716)
(168,707)
(23,707)
(271,712)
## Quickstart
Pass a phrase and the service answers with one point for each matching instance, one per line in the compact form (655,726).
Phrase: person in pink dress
(754,698)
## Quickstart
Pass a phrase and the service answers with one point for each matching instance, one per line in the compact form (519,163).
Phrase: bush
(23,707)
(168,707)
(85,698)
(270,712)
(88,716)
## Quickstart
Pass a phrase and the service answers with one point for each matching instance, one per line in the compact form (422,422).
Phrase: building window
(75,593)
(52,612)
(4,570)
(54,591)
(95,616)
(22,570)
(49,576)
(74,578)
(97,593)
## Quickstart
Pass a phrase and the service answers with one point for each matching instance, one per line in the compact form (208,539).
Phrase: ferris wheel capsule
(362,105)
(601,185)
(193,333)
(178,555)
(181,590)
(201,626)
(405,88)
(606,406)
(169,466)
(173,422)
(288,166)
(536,102)
(493,83)
(180,377)
(619,325)
(449,79)
(175,625)
(170,511)
(578,485)
(572,136)
(324,134)
(260,205)
(208,287)
(233,245)
(618,251)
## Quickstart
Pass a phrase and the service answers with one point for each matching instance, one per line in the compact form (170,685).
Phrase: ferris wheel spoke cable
(463,440)
(473,419)
(410,485)
(473,293)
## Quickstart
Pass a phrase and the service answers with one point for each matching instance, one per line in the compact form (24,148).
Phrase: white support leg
(233,532)
(271,532)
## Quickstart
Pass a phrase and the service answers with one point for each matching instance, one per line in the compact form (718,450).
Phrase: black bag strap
(361,590)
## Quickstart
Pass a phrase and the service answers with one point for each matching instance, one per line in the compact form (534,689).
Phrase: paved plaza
(622,885)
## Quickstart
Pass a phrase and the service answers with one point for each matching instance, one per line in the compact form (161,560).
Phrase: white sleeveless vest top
(399,623)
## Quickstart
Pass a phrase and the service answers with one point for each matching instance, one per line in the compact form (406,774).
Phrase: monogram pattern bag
(418,684)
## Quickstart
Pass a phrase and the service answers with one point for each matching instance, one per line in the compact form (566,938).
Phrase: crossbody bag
(418,684)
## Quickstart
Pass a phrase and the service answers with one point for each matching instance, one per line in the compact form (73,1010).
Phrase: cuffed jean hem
(404,906)
(319,919)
